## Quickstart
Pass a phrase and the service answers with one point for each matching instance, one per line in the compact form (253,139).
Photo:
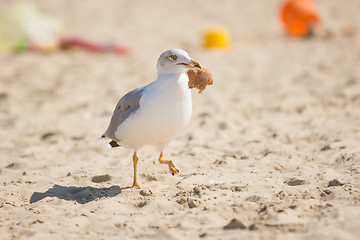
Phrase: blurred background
(59,63)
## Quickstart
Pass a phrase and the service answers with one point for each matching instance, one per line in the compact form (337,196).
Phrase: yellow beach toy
(217,38)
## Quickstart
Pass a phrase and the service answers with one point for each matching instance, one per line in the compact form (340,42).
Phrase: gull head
(175,61)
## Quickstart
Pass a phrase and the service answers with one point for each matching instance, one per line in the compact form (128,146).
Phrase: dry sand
(265,142)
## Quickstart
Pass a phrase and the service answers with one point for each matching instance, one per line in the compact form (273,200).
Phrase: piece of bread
(199,78)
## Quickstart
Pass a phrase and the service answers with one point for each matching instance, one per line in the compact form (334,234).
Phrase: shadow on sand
(81,195)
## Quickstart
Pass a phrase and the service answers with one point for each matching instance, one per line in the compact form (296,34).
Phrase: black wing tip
(113,144)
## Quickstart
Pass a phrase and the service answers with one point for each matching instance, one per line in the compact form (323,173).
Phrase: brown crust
(199,78)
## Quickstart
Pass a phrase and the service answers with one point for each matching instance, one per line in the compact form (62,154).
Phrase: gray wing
(127,105)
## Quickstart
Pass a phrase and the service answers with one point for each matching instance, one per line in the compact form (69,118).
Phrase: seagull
(156,113)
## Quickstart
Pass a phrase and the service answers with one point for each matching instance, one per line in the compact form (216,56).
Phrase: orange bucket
(299,16)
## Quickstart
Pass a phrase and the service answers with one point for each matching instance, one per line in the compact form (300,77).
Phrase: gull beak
(191,64)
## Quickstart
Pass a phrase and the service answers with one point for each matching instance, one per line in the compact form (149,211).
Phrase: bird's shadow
(81,195)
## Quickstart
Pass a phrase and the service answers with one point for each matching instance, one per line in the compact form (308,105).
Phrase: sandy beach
(273,145)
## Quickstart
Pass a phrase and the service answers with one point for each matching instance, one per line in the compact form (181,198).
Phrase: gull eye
(173,57)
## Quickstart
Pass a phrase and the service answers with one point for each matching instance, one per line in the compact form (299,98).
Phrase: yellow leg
(170,163)
(136,184)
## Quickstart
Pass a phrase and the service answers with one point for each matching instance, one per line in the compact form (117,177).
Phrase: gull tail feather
(113,144)
(102,137)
